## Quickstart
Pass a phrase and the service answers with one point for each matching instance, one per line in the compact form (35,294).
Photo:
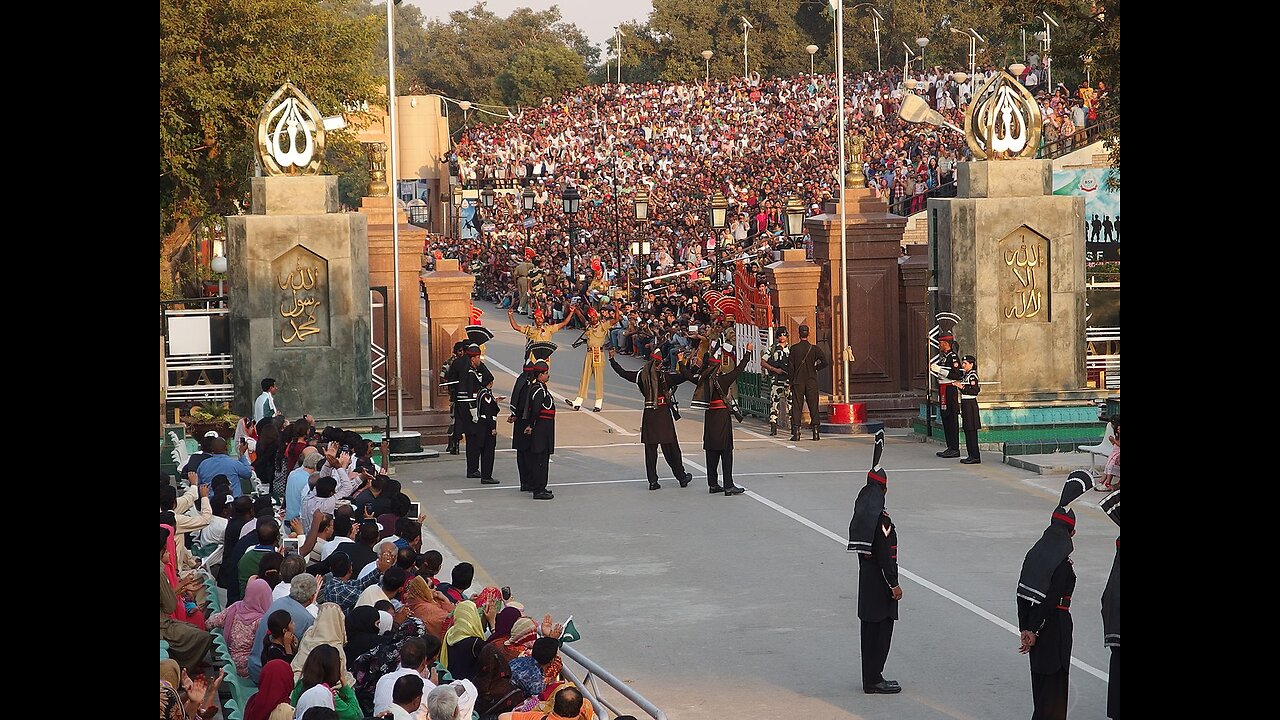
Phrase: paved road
(716,607)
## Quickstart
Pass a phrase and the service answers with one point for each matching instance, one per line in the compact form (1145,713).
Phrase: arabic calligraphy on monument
(1003,120)
(303,316)
(291,134)
(1025,285)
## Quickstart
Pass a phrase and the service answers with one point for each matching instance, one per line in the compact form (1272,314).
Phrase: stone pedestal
(299,299)
(795,283)
(448,291)
(873,240)
(379,211)
(1010,263)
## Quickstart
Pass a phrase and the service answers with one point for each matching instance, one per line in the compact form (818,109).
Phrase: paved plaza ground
(715,607)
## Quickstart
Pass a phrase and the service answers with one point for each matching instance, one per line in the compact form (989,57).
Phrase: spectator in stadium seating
(239,622)
(464,640)
(341,587)
(220,463)
(188,644)
(328,629)
(280,642)
(302,592)
(428,605)
(271,701)
(462,575)
(268,541)
(568,705)
(417,657)
(322,686)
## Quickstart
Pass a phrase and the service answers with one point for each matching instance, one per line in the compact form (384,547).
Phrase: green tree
(538,72)
(219,62)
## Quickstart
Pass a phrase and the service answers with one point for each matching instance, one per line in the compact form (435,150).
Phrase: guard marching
(519,409)
(657,425)
(451,376)
(874,538)
(717,431)
(1111,612)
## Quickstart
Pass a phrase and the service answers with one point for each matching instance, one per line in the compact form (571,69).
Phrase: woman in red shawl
(271,702)
(186,586)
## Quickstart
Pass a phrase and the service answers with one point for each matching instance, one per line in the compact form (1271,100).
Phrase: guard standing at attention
(947,370)
(1111,612)
(519,407)
(451,376)
(1044,605)
(717,432)
(874,538)
(596,335)
(482,408)
(777,362)
(657,425)
(807,360)
(540,414)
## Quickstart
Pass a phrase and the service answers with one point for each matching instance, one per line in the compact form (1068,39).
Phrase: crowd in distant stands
(296,566)
(758,141)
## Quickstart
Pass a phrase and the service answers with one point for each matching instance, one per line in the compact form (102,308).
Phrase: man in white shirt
(417,657)
(387,550)
(265,405)
(406,697)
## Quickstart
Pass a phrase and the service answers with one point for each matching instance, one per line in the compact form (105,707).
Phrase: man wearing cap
(519,409)
(596,334)
(657,424)
(777,362)
(450,377)
(482,436)
(1044,605)
(539,331)
(946,370)
(474,378)
(540,416)
(717,433)
(807,360)
(874,538)
(1111,612)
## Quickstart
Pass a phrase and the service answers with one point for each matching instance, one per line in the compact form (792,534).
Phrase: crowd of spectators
(315,596)
(758,141)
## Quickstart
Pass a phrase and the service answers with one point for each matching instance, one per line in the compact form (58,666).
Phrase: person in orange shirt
(568,705)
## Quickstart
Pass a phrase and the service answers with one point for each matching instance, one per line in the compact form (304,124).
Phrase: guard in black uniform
(1044,606)
(450,375)
(477,382)
(540,416)
(874,538)
(948,370)
(657,425)
(519,407)
(807,360)
(1111,612)
(717,432)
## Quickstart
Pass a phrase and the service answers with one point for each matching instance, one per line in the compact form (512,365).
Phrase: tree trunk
(171,246)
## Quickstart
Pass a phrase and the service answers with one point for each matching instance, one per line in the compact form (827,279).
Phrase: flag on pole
(570,633)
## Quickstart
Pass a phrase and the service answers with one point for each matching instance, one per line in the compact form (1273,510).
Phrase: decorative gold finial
(290,134)
(853,161)
(1003,121)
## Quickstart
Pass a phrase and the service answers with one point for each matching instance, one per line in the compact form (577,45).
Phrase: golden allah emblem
(1003,121)
(290,133)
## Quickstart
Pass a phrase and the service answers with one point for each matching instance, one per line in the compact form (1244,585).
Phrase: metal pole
(877,26)
(707,78)
(1024,45)
(395,197)
(844,274)
(1048,68)
(745,72)
(617,34)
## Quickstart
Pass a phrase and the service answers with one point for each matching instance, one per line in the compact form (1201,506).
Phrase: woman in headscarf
(328,629)
(362,632)
(240,622)
(463,641)
(271,702)
(322,685)
(187,644)
(428,605)
(520,641)
(172,706)
(497,694)
(370,666)
(186,698)
(179,584)
(502,625)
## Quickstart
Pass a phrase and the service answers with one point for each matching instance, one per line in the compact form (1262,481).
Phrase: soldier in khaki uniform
(596,335)
(539,331)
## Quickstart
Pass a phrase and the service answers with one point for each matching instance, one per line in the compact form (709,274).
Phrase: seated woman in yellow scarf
(465,638)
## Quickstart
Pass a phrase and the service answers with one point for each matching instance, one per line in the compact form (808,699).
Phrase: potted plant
(211,416)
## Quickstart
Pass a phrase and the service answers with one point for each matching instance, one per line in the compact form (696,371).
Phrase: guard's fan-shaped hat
(479,334)
(1078,483)
(1111,506)
(541,351)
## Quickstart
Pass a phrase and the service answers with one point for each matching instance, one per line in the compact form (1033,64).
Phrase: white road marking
(594,416)
(766,438)
(452,492)
(463,501)
(843,542)
(417,482)
(703,470)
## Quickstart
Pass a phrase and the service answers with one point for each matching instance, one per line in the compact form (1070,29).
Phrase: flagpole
(844,273)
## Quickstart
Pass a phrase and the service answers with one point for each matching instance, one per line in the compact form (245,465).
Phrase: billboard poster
(1101,210)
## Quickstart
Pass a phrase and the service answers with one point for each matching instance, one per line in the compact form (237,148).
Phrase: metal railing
(419,215)
(592,693)
(187,374)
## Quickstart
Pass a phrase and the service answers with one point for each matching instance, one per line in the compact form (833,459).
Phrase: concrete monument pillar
(379,211)
(795,282)
(298,273)
(448,291)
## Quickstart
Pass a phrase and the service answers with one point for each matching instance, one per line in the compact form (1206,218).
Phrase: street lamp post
(1088,66)
(719,210)
(811,49)
(974,37)
(640,206)
(906,60)
(795,220)
(747,27)
(393,176)
(706,56)
(922,42)
(457,212)
(1048,39)
(571,200)
(640,251)
(617,43)
(527,199)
